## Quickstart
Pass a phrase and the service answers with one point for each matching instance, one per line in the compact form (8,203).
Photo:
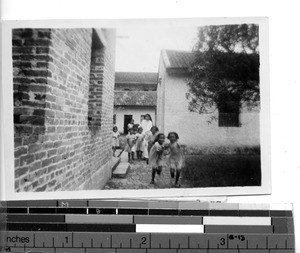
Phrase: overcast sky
(138,49)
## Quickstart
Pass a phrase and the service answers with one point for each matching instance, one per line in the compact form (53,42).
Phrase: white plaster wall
(160,95)
(193,128)
(136,113)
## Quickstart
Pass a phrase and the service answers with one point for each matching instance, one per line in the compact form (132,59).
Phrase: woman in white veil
(146,124)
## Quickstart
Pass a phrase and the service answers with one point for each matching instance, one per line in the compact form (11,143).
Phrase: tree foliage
(225,71)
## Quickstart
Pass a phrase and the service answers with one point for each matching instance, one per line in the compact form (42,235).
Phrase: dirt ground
(139,177)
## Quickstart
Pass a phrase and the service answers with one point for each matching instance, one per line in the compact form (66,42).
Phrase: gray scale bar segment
(282,251)
(193,205)
(192,251)
(130,204)
(238,229)
(71,250)
(254,251)
(223,206)
(99,219)
(91,240)
(131,251)
(43,203)
(40,250)
(19,250)
(283,225)
(125,240)
(161,251)
(156,219)
(103,204)
(100,251)
(223,251)
(163,205)
(72,203)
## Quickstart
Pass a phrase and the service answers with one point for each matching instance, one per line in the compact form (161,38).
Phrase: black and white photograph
(141,106)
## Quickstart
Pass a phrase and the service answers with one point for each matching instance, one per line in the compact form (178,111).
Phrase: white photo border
(7,190)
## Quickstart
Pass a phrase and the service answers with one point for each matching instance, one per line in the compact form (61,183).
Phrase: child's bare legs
(172,172)
(159,170)
(129,156)
(178,171)
(153,175)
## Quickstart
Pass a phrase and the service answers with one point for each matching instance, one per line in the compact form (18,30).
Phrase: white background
(284,65)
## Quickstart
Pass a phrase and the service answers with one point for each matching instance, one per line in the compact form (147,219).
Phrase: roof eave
(178,71)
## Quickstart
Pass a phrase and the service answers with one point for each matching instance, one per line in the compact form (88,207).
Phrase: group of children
(153,147)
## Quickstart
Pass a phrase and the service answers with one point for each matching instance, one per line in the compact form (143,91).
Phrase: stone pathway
(139,177)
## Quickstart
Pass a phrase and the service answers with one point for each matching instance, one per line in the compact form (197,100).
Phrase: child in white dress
(150,136)
(175,157)
(139,143)
(156,160)
(115,139)
(130,144)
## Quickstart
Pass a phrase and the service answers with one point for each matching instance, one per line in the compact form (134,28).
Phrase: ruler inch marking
(227,241)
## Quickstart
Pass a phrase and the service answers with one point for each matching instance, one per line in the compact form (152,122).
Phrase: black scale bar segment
(281,213)
(16,210)
(163,212)
(102,211)
(71,210)
(43,210)
(254,213)
(35,218)
(224,213)
(188,212)
(129,228)
(133,211)
(36,227)
(238,229)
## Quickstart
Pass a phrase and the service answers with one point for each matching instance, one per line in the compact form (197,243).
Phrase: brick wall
(56,81)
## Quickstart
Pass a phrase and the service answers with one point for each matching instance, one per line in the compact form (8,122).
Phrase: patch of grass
(223,170)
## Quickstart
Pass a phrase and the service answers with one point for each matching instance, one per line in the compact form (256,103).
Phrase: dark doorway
(127,120)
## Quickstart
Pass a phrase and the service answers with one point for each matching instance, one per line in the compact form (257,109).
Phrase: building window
(229,111)
(96,82)
(229,119)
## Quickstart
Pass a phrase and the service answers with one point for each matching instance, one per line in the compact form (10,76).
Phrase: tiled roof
(135,98)
(178,59)
(136,77)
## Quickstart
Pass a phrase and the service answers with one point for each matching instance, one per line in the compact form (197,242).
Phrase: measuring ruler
(147,227)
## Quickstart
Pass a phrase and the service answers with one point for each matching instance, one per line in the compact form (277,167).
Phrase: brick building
(135,96)
(224,134)
(63,108)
